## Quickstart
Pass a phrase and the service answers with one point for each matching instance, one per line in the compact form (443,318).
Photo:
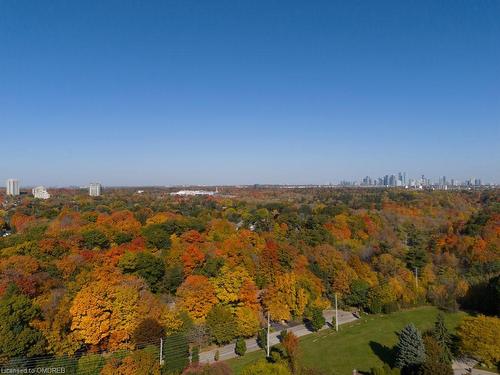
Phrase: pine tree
(442,336)
(435,363)
(195,355)
(176,352)
(262,338)
(410,348)
(317,320)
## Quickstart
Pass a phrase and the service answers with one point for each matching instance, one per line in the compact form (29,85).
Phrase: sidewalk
(227,351)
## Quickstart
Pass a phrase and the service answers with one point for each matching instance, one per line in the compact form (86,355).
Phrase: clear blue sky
(222,92)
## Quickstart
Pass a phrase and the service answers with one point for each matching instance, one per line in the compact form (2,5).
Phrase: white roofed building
(40,192)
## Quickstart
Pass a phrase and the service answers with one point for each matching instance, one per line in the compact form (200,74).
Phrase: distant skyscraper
(94,189)
(392,180)
(40,192)
(12,186)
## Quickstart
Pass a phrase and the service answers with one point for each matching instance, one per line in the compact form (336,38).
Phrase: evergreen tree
(262,338)
(410,348)
(442,336)
(317,320)
(195,355)
(435,363)
(241,347)
(176,352)
(416,256)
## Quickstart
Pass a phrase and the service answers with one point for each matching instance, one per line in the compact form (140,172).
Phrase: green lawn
(359,345)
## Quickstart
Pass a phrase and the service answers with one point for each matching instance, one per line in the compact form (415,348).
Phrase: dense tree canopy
(92,273)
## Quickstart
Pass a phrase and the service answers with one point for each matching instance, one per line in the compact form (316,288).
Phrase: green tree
(221,324)
(436,362)
(317,320)
(156,236)
(146,265)
(176,352)
(123,237)
(17,337)
(241,347)
(172,279)
(442,336)
(195,354)
(416,257)
(151,269)
(262,338)
(410,348)
(93,238)
(358,295)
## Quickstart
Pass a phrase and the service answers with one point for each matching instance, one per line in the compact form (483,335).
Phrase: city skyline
(393,179)
(228,92)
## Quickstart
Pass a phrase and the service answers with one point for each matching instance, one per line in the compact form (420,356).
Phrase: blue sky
(229,92)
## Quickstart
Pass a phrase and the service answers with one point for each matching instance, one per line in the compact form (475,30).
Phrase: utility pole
(268,346)
(416,278)
(161,351)
(336,314)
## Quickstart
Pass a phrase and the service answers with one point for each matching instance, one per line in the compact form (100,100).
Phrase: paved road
(227,351)
(465,367)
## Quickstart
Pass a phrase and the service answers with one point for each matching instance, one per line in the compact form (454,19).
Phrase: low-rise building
(40,192)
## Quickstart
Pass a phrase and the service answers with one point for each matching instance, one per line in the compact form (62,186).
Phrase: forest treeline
(82,275)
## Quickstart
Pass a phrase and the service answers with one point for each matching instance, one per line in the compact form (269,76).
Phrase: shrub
(276,354)
(317,320)
(241,347)
(264,368)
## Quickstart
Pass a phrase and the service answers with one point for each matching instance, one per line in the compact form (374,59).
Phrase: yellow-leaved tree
(106,312)
(284,297)
(480,338)
(196,297)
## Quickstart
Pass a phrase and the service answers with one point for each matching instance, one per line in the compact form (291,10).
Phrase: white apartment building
(12,186)
(95,189)
(40,192)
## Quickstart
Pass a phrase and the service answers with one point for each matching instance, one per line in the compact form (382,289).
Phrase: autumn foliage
(113,273)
